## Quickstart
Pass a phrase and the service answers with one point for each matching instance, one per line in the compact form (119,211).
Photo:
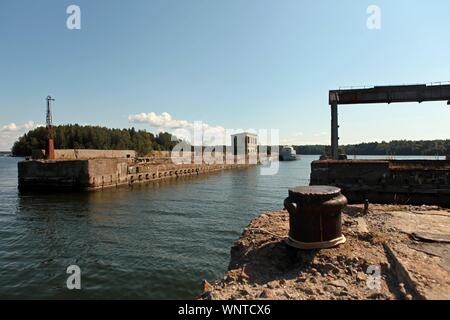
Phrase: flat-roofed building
(244,143)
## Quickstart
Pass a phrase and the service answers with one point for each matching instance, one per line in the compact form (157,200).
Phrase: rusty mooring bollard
(315,217)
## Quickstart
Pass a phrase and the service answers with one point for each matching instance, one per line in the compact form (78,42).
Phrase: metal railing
(435,83)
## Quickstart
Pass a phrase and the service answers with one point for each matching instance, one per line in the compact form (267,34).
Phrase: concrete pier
(111,170)
(387,181)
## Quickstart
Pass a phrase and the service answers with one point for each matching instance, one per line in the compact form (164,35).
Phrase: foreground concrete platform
(392,252)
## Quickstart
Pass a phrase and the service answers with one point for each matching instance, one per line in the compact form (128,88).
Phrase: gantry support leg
(334,131)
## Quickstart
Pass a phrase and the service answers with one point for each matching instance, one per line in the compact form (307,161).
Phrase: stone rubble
(262,266)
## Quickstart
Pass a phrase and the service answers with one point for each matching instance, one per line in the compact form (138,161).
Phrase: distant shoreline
(350,156)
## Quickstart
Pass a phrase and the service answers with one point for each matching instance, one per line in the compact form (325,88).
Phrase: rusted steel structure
(382,94)
(315,217)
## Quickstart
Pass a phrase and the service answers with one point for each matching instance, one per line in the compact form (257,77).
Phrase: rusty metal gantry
(385,94)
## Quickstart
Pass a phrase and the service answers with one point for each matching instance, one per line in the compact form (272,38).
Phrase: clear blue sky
(236,64)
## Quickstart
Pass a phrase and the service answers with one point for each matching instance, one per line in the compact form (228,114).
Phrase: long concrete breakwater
(100,173)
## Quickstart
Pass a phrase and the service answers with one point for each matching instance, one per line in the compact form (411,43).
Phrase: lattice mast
(50,147)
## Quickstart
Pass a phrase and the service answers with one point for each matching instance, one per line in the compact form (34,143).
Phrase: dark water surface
(157,241)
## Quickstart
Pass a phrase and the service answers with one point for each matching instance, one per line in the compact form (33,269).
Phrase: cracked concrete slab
(262,266)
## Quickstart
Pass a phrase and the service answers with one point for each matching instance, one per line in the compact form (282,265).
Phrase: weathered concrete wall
(93,154)
(55,175)
(105,173)
(97,174)
(201,158)
(41,175)
(84,154)
(387,181)
(148,173)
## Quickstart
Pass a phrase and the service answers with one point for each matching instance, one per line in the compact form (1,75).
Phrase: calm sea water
(157,241)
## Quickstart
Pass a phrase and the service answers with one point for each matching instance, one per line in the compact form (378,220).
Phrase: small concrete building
(244,144)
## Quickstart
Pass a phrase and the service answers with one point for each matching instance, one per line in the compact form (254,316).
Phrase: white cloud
(164,120)
(31,125)
(9,127)
(191,131)
(10,132)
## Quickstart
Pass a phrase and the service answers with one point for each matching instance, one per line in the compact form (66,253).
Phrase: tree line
(392,148)
(94,137)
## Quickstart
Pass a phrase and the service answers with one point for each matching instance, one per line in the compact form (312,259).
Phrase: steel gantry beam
(386,94)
